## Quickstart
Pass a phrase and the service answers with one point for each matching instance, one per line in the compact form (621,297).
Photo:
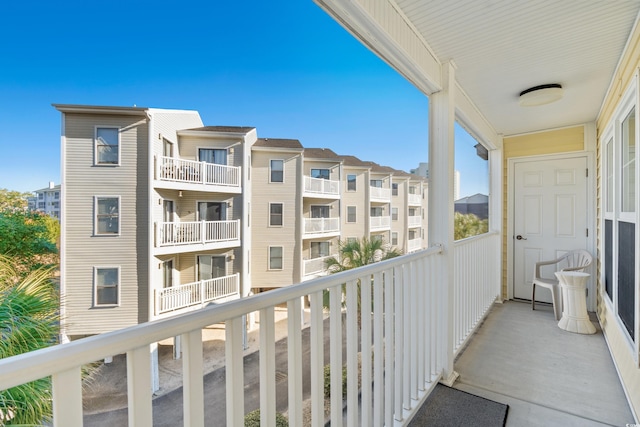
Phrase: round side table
(574,311)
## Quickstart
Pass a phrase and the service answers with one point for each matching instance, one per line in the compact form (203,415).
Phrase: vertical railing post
(234,372)
(441,164)
(203,233)
(203,172)
(67,398)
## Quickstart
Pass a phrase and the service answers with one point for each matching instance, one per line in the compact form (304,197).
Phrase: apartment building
(46,200)
(163,215)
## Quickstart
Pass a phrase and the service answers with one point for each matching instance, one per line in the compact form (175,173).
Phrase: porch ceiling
(502,47)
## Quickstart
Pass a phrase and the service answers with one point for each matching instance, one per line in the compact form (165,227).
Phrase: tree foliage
(11,200)
(360,252)
(468,225)
(29,237)
(28,321)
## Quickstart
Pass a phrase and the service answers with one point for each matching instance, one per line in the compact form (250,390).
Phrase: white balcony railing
(198,232)
(321,186)
(321,225)
(415,221)
(381,194)
(414,244)
(196,293)
(191,172)
(415,199)
(405,340)
(316,265)
(380,222)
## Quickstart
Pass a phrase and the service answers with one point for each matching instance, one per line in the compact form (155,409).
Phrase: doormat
(448,407)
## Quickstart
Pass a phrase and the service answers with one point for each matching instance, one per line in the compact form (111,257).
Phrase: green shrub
(327,381)
(252,419)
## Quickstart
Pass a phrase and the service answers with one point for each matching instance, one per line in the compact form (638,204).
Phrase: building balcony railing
(180,171)
(319,187)
(414,221)
(414,245)
(316,265)
(416,325)
(380,222)
(197,294)
(321,225)
(197,232)
(415,200)
(378,194)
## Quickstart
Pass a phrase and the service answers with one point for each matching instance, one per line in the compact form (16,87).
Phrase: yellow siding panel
(550,142)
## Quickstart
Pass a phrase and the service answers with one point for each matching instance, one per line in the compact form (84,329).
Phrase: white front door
(550,217)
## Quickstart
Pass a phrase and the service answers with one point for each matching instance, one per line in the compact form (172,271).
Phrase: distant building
(46,200)
(423,171)
(478,204)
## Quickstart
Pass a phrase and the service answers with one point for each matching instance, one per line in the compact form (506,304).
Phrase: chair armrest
(574,268)
(539,264)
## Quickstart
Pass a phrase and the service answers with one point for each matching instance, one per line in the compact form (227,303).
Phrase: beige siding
(288,236)
(83,181)
(400,202)
(334,168)
(189,146)
(358,199)
(167,122)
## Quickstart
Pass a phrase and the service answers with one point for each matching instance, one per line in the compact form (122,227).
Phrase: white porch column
(441,173)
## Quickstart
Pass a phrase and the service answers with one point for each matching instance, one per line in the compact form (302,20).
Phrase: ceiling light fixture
(541,95)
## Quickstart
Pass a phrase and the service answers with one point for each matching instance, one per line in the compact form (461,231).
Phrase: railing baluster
(391,316)
(365,356)
(317,360)
(67,398)
(193,383)
(378,351)
(139,387)
(294,360)
(352,352)
(267,368)
(399,347)
(335,307)
(234,372)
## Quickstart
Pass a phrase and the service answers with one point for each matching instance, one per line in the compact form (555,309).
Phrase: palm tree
(357,253)
(28,321)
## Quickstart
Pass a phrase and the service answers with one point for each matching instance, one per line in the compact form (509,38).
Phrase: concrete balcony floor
(547,376)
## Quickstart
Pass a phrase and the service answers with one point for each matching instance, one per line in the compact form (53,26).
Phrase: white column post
(495,208)
(441,180)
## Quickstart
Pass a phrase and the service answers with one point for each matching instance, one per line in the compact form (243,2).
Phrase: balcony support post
(441,172)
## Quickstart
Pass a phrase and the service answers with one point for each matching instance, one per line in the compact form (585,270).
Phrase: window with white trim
(107,215)
(275,214)
(351,214)
(107,146)
(394,238)
(276,171)
(275,257)
(394,214)
(319,249)
(351,182)
(106,283)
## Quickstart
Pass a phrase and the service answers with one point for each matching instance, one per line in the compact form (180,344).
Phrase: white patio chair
(577,260)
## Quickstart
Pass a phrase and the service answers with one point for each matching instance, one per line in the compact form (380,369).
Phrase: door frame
(591,213)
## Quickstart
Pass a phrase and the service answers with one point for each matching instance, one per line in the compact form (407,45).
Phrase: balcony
(321,188)
(380,223)
(175,237)
(379,194)
(179,174)
(414,221)
(414,245)
(418,324)
(321,227)
(415,200)
(197,294)
(316,266)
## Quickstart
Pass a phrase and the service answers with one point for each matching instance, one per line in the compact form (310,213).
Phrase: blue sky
(284,67)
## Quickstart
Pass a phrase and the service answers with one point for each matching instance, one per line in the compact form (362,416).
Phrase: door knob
(519,237)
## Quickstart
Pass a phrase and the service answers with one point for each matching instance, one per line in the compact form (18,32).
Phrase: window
(275,214)
(412,190)
(167,274)
(394,238)
(106,281)
(351,182)
(412,212)
(351,240)
(394,214)
(351,214)
(276,171)
(376,183)
(55,205)
(412,234)
(320,173)
(56,195)
(319,249)
(41,196)
(211,266)
(275,257)
(320,212)
(107,220)
(628,183)
(213,155)
(377,211)
(107,146)
(167,148)
(41,205)
(394,189)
